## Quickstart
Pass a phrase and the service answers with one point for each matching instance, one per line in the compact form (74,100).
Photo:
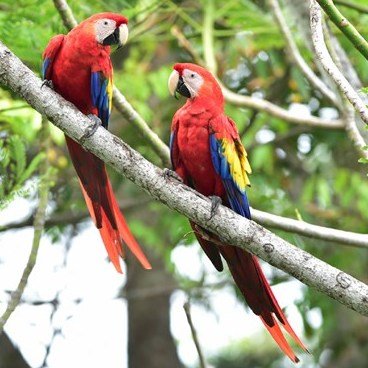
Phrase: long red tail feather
(257,292)
(103,207)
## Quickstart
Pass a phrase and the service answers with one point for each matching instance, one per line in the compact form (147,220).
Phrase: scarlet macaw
(207,153)
(78,67)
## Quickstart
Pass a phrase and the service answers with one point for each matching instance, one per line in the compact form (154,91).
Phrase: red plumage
(70,62)
(199,129)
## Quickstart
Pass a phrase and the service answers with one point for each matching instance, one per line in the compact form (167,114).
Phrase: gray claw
(215,203)
(170,174)
(92,128)
(47,83)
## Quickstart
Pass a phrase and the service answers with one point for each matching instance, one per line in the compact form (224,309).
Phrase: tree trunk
(10,356)
(150,343)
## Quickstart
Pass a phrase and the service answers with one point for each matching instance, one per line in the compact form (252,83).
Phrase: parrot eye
(192,75)
(106,22)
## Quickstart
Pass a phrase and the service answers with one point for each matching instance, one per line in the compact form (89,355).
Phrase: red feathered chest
(72,71)
(193,133)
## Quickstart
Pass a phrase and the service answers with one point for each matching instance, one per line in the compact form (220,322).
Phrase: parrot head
(104,28)
(195,83)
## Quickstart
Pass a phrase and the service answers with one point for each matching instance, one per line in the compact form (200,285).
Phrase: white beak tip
(123,34)
(173,82)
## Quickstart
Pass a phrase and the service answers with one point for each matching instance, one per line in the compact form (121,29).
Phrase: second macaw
(207,153)
(78,67)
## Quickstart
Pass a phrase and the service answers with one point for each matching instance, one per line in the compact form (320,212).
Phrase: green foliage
(14,170)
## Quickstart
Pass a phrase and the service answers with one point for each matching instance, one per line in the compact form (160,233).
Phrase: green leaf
(18,155)
(31,168)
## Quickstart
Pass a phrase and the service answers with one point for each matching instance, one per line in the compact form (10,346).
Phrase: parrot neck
(214,105)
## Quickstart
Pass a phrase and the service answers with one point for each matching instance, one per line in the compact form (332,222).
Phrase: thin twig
(295,56)
(348,4)
(207,37)
(347,109)
(71,218)
(329,65)
(276,111)
(39,220)
(345,26)
(185,44)
(188,314)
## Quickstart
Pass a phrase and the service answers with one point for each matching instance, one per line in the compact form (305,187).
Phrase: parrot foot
(215,203)
(92,128)
(170,174)
(47,83)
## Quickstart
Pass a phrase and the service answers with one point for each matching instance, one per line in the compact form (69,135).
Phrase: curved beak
(176,84)
(118,37)
(123,34)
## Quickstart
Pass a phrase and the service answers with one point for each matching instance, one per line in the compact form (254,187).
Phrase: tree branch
(309,230)
(119,100)
(38,224)
(295,56)
(70,218)
(348,4)
(278,112)
(329,65)
(186,306)
(345,26)
(226,224)
(347,110)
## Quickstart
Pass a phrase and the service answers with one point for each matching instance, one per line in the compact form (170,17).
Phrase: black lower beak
(182,88)
(112,39)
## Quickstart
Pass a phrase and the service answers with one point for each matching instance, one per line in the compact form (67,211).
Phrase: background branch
(295,56)
(351,5)
(227,225)
(188,314)
(345,26)
(329,65)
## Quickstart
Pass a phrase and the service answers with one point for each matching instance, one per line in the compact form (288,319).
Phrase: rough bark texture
(230,227)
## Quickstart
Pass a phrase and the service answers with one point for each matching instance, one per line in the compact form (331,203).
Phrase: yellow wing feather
(236,157)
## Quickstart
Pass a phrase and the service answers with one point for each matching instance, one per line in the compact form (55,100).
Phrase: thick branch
(296,57)
(329,65)
(227,225)
(345,26)
(119,101)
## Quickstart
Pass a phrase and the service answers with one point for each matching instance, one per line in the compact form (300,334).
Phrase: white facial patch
(193,81)
(104,28)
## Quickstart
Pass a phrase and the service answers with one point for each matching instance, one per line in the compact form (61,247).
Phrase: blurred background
(76,310)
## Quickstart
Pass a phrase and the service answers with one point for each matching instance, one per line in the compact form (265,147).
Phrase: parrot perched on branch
(207,153)
(78,67)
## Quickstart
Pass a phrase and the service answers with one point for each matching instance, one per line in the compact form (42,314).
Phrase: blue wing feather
(45,66)
(237,197)
(100,94)
(171,146)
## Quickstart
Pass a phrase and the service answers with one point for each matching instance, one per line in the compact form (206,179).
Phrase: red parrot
(207,153)
(78,67)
